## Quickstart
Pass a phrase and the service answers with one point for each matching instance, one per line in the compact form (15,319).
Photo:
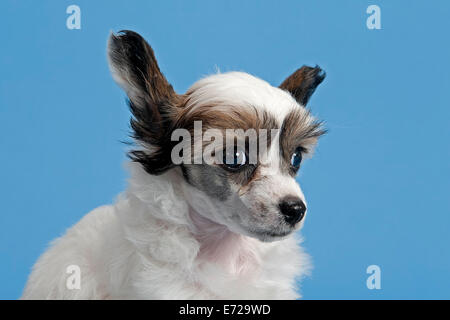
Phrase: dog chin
(269,236)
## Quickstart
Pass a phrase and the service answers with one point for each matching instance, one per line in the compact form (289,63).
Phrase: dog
(194,230)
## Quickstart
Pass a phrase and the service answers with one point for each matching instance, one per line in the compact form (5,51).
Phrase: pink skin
(219,245)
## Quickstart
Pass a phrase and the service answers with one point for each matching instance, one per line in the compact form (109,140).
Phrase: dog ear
(152,99)
(303,82)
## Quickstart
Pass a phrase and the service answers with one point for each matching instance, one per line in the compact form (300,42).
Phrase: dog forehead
(240,90)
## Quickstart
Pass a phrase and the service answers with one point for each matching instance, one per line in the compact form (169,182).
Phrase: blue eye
(296,159)
(235,160)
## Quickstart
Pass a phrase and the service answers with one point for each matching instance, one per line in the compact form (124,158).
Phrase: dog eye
(235,159)
(296,158)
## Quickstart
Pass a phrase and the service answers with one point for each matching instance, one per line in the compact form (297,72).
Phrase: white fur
(152,244)
(243,89)
(145,247)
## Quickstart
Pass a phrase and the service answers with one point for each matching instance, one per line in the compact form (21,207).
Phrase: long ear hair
(152,100)
(303,82)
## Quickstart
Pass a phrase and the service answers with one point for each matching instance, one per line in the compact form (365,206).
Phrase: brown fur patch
(303,82)
(224,117)
(298,131)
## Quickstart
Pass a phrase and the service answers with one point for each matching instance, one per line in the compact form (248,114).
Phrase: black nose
(293,209)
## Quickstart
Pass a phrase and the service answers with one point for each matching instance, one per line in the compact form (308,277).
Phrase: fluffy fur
(190,232)
(149,246)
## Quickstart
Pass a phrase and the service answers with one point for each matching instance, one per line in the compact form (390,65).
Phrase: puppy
(190,229)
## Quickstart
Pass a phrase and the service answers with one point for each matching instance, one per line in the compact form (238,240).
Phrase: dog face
(260,135)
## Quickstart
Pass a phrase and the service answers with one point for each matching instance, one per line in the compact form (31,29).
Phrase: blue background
(378,186)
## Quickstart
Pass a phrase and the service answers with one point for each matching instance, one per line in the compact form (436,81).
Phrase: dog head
(241,141)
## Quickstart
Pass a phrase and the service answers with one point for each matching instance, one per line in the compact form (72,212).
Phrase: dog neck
(218,245)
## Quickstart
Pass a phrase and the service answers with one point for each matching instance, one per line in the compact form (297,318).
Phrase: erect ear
(303,82)
(152,99)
